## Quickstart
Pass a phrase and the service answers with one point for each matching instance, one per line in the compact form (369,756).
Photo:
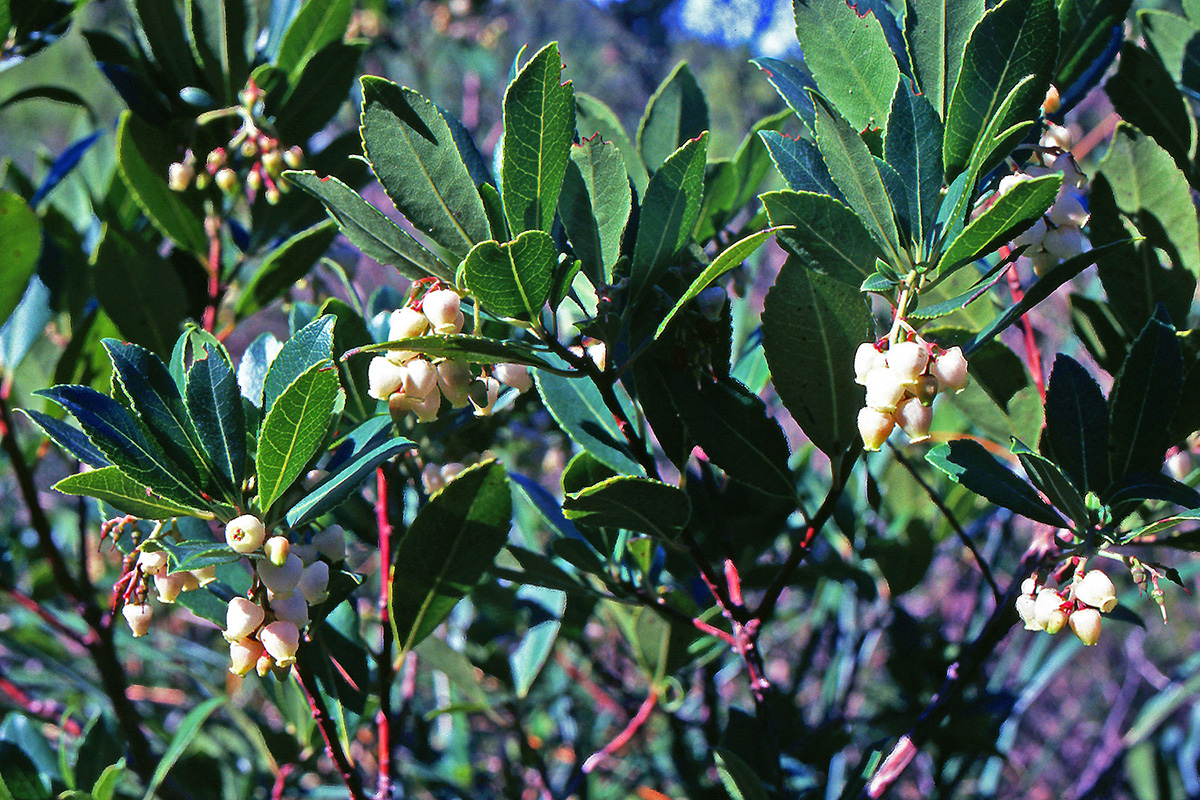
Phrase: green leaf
(320,22)
(20,246)
(539,119)
(188,728)
(849,57)
(19,776)
(528,658)
(793,85)
(1006,218)
(200,553)
(1144,94)
(912,146)
(293,430)
(1170,38)
(595,205)
(852,168)
(214,403)
(592,117)
(476,349)
(106,785)
(286,264)
(69,438)
(310,346)
(730,258)
(143,156)
(512,279)
(966,461)
(1087,31)
(446,550)
(676,113)
(811,327)
(334,490)
(824,230)
(123,493)
(369,229)
(1051,481)
(800,164)
(668,214)
(739,778)
(220,33)
(579,410)
(318,94)
(1143,400)
(412,151)
(1076,432)
(937,32)
(161,30)
(141,291)
(634,503)
(1012,41)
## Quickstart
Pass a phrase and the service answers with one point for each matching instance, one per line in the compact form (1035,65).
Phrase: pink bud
(1097,590)
(277,549)
(281,580)
(384,378)
(874,426)
(1025,610)
(1068,210)
(867,358)
(227,180)
(205,575)
(245,533)
(243,655)
(138,616)
(169,586)
(483,394)
(152,562)
(514,375)
(1057,136)
(331,544)
(314,583)
(907,359)
(420,379)
(1085,623)
(1064,241)
(885,389)
(442,307)
(406,323)
(1033,236)
(242,618)
(281,639)
(454,377)
(915,419)
(291,608)
(179,176)
(1048,610)
(431,479)
(950,369)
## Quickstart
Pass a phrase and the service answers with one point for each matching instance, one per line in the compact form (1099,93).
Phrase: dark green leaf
(317,95)
(636,504)
(811,327)
(1144,94)
(512,279)
(19,777)
(739,778)
(20,246)
(912,146)
(1087,31)
(200,553)
(311,345)
(966,461)
(1143,399)
(675,114)
(937,32)
(1152,486)
(1077,425)
(800,164)
(161,29)
(446,550)
(827,232)
(852,168)
(850,59)
(592,117)
(527,660)
(123,493)
(668,213)
(221,34)
(476,349)
(412,152)
(793,85)
(188,728)
(215,405)
(1050,479)
(1014,40)
(143,156)
(578,408)
(319,22)
(539,119)
(595,205)
(369,229)
(293,430)
(1172,39)
(337,487)
(1006,218)
(99,748)
(70,439)
(287,264)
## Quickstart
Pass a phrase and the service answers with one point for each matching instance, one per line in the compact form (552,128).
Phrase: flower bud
(598,353)
(915,419)
(273,163)
(514,375)
(1052,102)
(867,358)
(950,369)
(420,379)
(1033,235)
(907,359)
(1029,586)
(277,549)
(925,390)
(1064,241)
(179,176)
(281,639)
(272,195)
(1073,177)
(249,148)
(169,586)
(442,307)
(226,179)
(483,394)
(451,469)
(331,544)
(291,608)
(1042,262)
(264,664)
(384,378)
(431,479)
(1068,210)
(152,562)
(711,302)
(1011,181)
(254,181)
(215,159)
(138,616)
(245,533)
(307,553)
(1048,611)
(243,655)
(242,618)
(454,378)
(885,389)
(1057,136)
(294,156)
(205,575)
(1025,610)
(202,180)
(1085,623)
(1097,590)
(874,426)
(405,323)
(314,583)
(282,579)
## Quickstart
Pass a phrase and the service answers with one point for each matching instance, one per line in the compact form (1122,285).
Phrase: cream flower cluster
(902,382)
(1044,609)
(152,565)
(263,629)
(1057,234)
(412,383)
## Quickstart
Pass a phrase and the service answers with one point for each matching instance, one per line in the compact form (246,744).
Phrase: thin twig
(43,709)
(384,667)
(622,738)
(333,747)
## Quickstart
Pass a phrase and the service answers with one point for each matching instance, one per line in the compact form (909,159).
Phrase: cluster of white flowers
(1056,235)
(263,629)
(902,382)
(1089,595)
(412,383)
(152,565)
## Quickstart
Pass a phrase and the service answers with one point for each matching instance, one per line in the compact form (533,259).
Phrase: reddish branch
(622,738)
(43,709)
(1032,353)
(212,226)
(325,725)
(383,722)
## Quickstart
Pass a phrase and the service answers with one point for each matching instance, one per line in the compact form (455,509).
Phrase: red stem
(324,724)
(1031,349)
(44,709)
(383,724)
(212,226)
(622,738)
